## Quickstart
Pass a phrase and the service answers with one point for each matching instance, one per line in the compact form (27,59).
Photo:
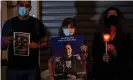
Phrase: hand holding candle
(106,39)
(106,58)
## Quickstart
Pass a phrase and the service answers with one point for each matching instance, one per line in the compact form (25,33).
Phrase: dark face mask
(112,20)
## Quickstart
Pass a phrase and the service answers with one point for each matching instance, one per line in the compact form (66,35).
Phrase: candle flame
(106,37)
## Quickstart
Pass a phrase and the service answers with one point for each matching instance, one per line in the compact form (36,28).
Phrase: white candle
(106,47)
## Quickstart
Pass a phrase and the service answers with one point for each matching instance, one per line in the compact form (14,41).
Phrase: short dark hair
(20,1)
(68,21)
(67,43)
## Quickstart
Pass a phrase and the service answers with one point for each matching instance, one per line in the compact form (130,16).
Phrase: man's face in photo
(68,49)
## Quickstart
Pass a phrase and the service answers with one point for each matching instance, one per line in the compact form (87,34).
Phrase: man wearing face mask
(115,64)
(24,67)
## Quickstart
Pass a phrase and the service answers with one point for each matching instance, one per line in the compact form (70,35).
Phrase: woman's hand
(111,49)
(106,58)
(84,48)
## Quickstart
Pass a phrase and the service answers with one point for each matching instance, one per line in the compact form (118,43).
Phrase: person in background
(68,28)
(24,67)
(115,64)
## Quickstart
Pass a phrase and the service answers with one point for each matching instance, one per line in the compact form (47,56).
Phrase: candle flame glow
(106,37)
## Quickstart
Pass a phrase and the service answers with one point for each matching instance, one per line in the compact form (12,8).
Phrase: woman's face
(112,12)
(71,29)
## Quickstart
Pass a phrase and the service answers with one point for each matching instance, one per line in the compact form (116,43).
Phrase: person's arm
(42,35)
(6,34)
(51,68)
(5,40)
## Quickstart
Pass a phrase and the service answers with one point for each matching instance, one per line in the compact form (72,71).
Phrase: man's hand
(34,45)
(106,58)
(111,49)
(7,39)
(43,43)
(71,76)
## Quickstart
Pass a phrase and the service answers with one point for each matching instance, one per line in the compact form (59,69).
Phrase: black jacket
(122,43)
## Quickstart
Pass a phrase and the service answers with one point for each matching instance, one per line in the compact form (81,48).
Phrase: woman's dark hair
(112,8)
(66,22)
(121,19)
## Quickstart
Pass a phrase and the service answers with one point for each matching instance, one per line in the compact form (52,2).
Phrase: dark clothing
(73,61)
(118,67)
(71,65)
(37,31)
(22,74)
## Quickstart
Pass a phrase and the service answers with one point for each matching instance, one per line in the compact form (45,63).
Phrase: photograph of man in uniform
(69,63)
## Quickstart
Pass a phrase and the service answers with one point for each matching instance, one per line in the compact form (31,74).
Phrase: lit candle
(106,39)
